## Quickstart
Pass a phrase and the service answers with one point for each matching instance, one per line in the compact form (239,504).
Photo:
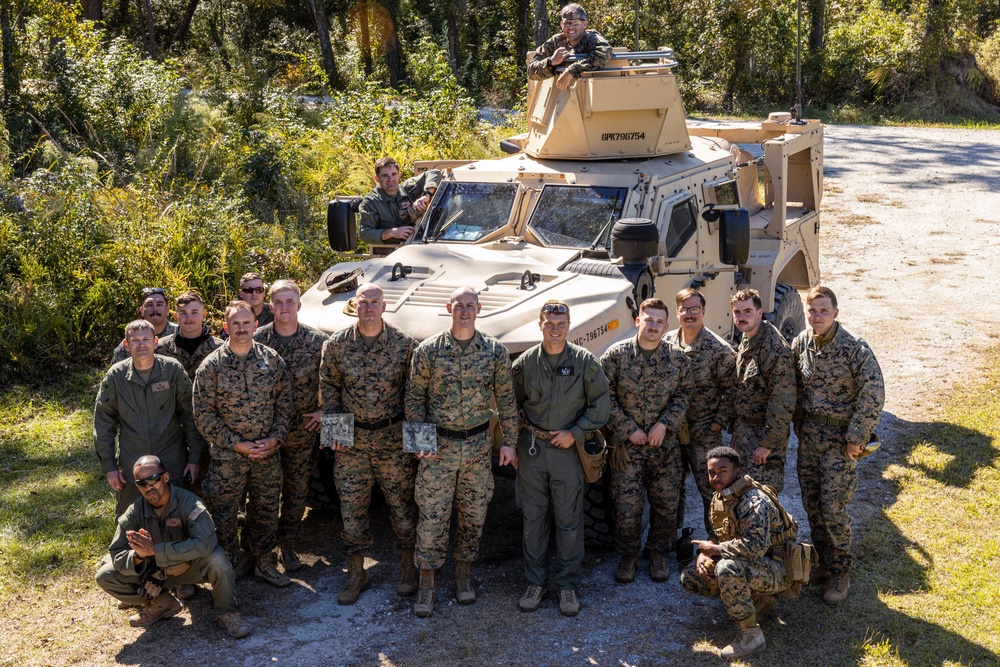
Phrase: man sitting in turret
(574,39)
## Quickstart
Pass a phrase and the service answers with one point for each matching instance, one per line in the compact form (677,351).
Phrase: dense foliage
(180,143)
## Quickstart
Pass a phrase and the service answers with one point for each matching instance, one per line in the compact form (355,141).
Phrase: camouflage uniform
(452,388)
(168,347)
(840,383)
(746,566)
(184,535)
(370,383)
(645,392)
(151,417)
(301,355)
(379,211)
(762,404)
(714,365)
(237,400)
(121,352)
(591,43)
(572,394)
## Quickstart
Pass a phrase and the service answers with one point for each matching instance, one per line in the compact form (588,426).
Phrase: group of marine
(193,430)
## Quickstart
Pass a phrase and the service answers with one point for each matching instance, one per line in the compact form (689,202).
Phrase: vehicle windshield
(574,216)
(469,211)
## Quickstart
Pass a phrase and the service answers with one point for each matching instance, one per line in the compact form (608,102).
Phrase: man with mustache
(154,309)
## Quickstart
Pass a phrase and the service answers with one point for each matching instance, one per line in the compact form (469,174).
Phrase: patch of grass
(55,507)
(857,220)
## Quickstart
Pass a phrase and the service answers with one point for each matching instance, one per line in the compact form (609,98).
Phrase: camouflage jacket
(596,48)
(765,386)
(571,395)
(842,380)
(759,523)
(644,392)
(379,211)
(452,387)
(121,352)
(189,360)
(147,418)
(242,399)
(714,365)
(369,383)
(301,355)
(184,533)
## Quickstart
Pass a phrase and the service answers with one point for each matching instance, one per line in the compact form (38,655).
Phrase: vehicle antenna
(797,109)
(637,48)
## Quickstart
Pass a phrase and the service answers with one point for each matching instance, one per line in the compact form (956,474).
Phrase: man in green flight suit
(563,393)
(390,212)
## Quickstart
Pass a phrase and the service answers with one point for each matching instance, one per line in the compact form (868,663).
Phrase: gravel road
(910,217)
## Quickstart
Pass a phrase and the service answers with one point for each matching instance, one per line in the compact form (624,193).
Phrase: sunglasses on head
(555,308)
(149,481)
(252,290)
(147,291)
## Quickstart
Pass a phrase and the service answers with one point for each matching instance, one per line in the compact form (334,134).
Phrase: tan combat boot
(234,624)
(750,641)
(424,605)
(836,593)
(407,585)
(289,559)
(658,570)
(463,582)
(265,570)
(357,580)
(626,570)
(163,605)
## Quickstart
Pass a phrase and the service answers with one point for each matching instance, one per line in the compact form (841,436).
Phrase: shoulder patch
(196,512)
(593,368)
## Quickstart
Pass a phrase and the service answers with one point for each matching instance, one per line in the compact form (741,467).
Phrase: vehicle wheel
(322,487)
(598,515)
(788,316)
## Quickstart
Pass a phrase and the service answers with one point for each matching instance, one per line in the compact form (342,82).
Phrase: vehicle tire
(598,515)
(322,487)
(788,316)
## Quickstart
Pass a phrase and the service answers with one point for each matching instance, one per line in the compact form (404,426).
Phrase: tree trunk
(11,75)
(152,30)
(93,10)
(318,11)
(123,12)
(182,29)
(393,50)
(452,36)
(817,11)
(366,39)
(541,22)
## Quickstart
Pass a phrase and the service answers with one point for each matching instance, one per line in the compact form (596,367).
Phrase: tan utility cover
(607,116)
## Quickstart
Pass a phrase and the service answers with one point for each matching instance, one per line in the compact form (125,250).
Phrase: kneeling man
(751,527)
(165,539)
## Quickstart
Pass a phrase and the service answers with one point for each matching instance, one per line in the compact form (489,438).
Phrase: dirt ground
(908,243)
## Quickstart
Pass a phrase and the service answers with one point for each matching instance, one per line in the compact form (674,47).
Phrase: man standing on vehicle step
(650,382)
(840,399)
(454,376)
(574,39)
(390,212)
(364,372)
(563,393)
(764,398)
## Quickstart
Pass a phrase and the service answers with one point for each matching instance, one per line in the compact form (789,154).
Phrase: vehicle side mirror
(341,227)
(734,236)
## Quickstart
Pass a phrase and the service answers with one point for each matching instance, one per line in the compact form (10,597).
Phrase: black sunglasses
(149,481)
(146,291)
(557,308)
(252,290)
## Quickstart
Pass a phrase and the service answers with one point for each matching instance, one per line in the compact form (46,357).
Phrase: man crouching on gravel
(164,539)
(750,525)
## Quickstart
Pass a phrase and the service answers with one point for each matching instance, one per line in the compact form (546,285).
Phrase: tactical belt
(827,421)
(539,433)
(382,423)
(463,435)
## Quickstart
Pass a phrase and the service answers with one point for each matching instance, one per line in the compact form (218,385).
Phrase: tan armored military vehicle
(611,197)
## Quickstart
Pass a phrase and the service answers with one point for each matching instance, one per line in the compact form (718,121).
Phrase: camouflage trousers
(215,570)
(746,438)
(735,582)
(550,495)
(377,456)
(296,473)
(654,473)
(694,458)
(459,477)
(828,480)
(226,485)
